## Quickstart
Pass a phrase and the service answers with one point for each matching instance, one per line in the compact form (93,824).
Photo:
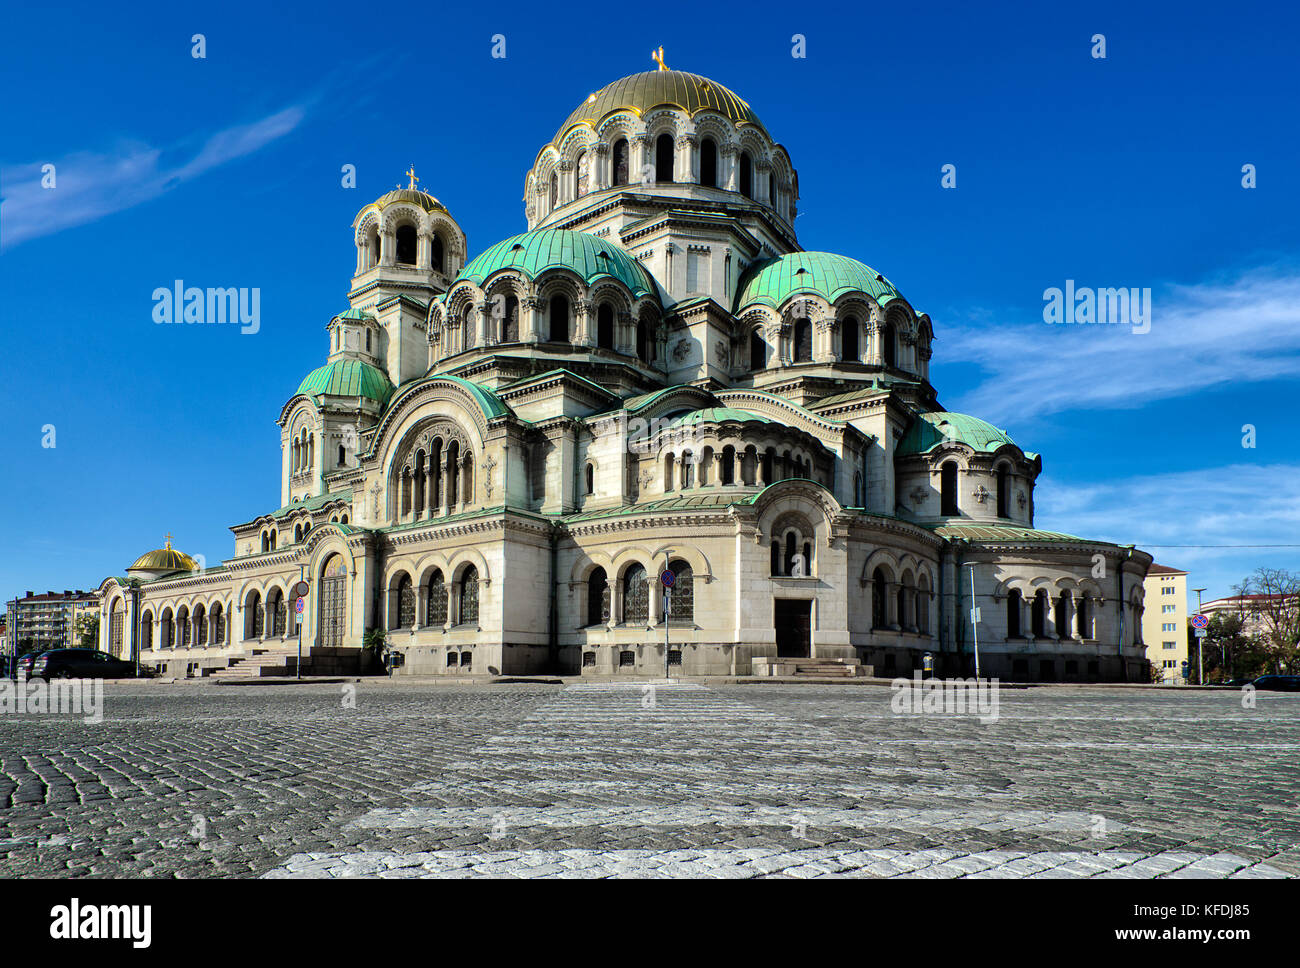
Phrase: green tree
(87,631)
(1270,603)
(1226,651)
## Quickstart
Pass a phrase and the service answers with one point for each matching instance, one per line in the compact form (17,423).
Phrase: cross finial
(410,173)
(658,57)
(169,541)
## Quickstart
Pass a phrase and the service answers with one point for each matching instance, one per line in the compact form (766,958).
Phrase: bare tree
(1270,604)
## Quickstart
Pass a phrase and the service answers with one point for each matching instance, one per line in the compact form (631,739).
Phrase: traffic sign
(1200,621)
(300,605)
(301,589)
(667,577)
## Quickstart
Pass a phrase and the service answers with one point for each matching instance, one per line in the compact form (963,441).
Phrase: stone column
(685,162)
(738,470)
(531,305)
(642,154)
(447,471)
(585,323)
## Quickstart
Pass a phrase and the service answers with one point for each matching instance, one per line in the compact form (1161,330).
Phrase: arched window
(1062,617)
(879,606)
(664,158)
(849,330)
(367,341)
(406,245)
(771,189)
(605,327)
(688,470)
(948,489)
(757,351)
(580,175)
(146,631)
(436,601)
(405,603)
(1014,606)
(1038,615)
(681,600)
(469,596)
(902,606)
(669,461)
(708,163)
(343,456)
(598,598)
(590,473)
(555,190)
(636,596)
(183,620)
(1004,492)
(776,557)
(375,248)
(510,321)
(620,162)
(559,319)
(889,346)
(802,341)
(167,631)
(436,257)
(790,550)
(115,629)
(276,605)
(923,609)
(219,624)
(728,475)
(453,478)
(1081,618)
(200,626)
(746,175)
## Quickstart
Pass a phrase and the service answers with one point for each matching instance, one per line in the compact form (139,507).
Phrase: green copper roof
(929,430)
(820,273)
(984,533)
(715,415)
(348,378)
(533,253)
(487,401)
(356,314)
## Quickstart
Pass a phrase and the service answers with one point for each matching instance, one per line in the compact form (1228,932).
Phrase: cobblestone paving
(594,780)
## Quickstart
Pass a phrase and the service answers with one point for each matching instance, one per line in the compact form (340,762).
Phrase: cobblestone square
(624,780)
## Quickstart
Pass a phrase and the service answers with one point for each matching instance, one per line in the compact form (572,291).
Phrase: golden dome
(165,559)
(639,93)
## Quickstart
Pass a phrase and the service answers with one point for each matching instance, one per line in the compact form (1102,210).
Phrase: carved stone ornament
(980,494)
(917,494)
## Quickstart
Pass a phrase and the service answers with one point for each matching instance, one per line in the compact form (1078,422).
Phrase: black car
(1240,681)
(80,664)
(1278,683)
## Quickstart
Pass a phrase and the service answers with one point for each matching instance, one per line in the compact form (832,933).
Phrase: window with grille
(681,601)
(469,600)
(405,603)
(437,604)
(636,596)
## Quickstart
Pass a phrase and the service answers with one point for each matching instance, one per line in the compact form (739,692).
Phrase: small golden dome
(164,559)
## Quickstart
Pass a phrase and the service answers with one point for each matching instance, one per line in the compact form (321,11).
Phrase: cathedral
(652,433)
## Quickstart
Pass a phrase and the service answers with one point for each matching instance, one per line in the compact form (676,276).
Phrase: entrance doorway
(333,603)
(793,628)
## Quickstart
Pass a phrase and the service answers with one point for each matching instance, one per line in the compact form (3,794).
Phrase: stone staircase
(826,668)
(271,662)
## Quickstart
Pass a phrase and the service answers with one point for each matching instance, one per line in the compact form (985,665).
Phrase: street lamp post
(974,623)
(667,599)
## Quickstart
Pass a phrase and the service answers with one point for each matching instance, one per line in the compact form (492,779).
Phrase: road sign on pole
(301,589)
(1200,622)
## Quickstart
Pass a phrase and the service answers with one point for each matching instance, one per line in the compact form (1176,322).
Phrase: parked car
(1239,681)
(81,664)
(23,665)
(1278,683)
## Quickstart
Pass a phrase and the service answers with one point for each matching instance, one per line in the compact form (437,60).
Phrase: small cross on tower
(410,173)
(658,57)
(169,541)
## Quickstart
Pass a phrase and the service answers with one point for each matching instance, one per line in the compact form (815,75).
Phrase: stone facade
(500,457)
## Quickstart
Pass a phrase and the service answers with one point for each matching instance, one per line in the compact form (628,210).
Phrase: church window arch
(1038,614)
(597,598)
(407,245)
(590,477)
(605,326)
(850,330)
(437,258)
(469,590)
(1004,491)
(405,603)
(664,158)
(669,461)
(555,189)
(802,340)
(709,163)
(879,602)
(636,596)
(948,489)
(681,601)
(580,175)
(436,599)
(757,350)
(620,162)
(1014,608)
(559,318)
(746,175)
(343,456)
(889,345)
(510,320)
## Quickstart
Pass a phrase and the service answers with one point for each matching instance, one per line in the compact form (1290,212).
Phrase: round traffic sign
(300,605)
(301,589)
(667,577)
(1200,621)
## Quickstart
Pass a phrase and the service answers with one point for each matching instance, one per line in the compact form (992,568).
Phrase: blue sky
(225,171)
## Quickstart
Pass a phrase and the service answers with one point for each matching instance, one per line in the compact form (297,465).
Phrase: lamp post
(667,598)
(974,618)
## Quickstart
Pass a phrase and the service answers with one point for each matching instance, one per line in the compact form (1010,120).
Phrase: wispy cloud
(1242,504)
(91,185)
(1245,329)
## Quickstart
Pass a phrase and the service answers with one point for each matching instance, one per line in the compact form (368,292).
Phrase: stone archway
(331,619)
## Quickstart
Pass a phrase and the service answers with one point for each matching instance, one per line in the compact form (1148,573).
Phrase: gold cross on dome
(658,57)
(410,173)
(169,540)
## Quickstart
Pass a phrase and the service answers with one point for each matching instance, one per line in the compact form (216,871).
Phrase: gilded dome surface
(414,196)
(641,92)
(164,559)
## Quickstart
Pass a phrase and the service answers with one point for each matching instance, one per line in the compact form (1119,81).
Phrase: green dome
(821,273)
(715,415)
(929,430)
(534,252)
(348,378)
